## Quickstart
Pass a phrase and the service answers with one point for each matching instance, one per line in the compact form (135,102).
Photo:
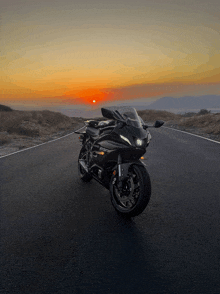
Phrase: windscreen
(128,113)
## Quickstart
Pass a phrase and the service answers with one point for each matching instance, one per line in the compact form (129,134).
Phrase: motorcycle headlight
(125,139)
(139,142)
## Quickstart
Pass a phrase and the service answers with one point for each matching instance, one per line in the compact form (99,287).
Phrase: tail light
(81,137)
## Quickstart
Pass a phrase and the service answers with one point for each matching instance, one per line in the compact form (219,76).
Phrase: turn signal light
(81,138)
(114,172)
(142,157)
(100,153)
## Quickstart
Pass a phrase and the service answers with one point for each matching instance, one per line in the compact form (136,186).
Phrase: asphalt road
(60,235)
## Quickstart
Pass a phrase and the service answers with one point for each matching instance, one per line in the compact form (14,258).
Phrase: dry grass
(35,123)
(4,139)
(208,123)
(205,123)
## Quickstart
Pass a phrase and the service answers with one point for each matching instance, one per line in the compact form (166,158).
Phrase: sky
(68,53)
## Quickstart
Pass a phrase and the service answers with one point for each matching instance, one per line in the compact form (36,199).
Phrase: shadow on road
(74,242)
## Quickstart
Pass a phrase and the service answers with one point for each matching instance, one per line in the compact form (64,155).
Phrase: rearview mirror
(158,123)
(107,113)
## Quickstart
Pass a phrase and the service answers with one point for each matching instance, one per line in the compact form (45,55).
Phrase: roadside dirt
(24,129)
(18,142)
(193,130)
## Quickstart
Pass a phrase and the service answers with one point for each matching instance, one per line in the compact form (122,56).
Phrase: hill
(202,123)
(153,115)
(5,108)
(186,103)
(35,123)
(22,129)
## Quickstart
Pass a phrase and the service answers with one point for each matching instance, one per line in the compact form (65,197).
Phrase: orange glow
(102,96)
(100,54)
(87,96)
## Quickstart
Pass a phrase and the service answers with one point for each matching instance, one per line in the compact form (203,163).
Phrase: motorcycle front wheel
(132,198)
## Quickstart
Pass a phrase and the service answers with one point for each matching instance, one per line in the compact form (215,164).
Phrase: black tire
(84,176)
(132,205)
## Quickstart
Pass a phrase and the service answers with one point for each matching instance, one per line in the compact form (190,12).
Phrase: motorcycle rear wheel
(84,176)
(136,192)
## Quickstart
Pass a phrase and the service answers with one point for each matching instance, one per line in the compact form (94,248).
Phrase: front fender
(125,167)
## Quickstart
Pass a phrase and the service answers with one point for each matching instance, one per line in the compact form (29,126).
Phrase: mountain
(81,112)
(186,103)
(5,108)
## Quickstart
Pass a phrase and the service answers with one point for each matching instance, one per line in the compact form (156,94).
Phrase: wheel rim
(128,196)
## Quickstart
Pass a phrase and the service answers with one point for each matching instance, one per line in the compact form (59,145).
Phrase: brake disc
(121,196)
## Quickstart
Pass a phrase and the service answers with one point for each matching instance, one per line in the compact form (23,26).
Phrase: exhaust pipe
(83,164)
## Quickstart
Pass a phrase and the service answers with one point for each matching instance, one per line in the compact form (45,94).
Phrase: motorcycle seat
(92,123)
(99,124)
(105,123)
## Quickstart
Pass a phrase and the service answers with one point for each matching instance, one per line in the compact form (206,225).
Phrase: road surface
(60,235)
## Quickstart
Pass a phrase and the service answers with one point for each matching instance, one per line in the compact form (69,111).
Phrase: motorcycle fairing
(112,143)
(127,113)
(93,132)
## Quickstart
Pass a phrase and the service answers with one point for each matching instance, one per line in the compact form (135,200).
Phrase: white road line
(36,145)
(193,135)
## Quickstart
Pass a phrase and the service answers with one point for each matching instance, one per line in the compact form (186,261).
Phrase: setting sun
(102,52)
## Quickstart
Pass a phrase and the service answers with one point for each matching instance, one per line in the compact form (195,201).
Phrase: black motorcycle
(111,152)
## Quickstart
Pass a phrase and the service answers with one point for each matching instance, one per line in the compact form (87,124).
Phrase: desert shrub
(51,119)
(4,139)
(13,120)
(203,111)
(209,123)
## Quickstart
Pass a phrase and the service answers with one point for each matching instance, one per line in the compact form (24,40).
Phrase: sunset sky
(84,52)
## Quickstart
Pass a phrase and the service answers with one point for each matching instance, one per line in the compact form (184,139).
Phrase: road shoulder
(21,143)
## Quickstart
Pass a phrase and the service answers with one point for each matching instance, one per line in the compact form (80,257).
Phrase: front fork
(119,165)
(122,171)
(123,168)
(119,172)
